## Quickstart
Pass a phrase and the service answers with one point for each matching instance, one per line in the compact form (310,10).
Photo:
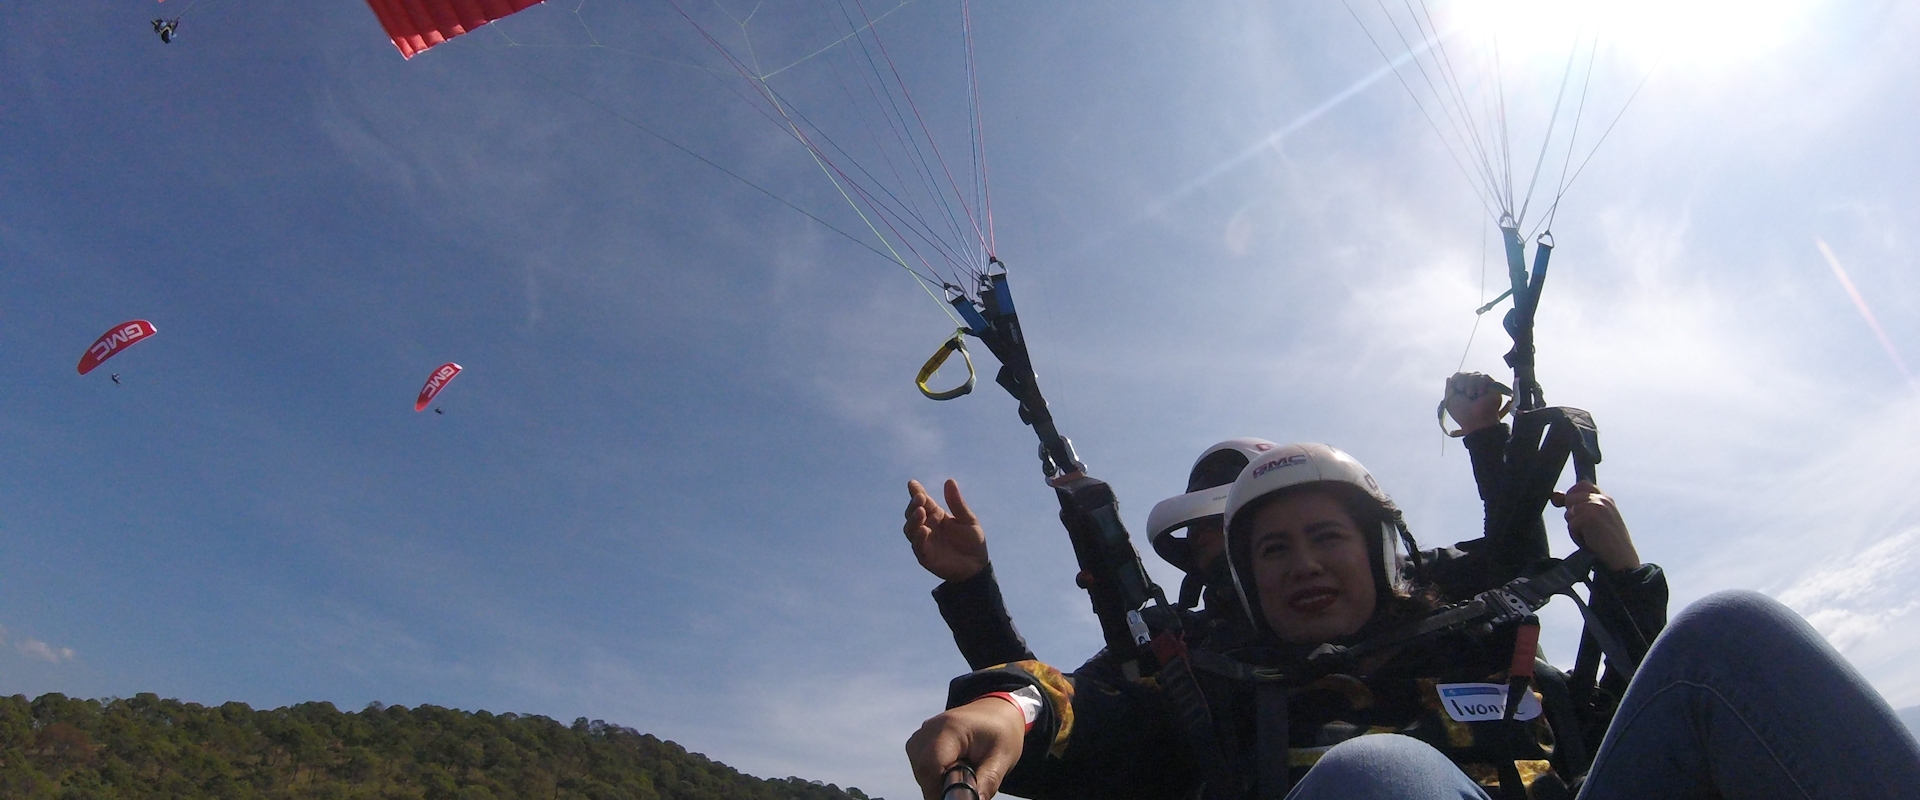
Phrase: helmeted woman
(1321,556)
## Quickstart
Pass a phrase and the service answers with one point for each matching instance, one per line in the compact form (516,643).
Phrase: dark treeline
(146,747)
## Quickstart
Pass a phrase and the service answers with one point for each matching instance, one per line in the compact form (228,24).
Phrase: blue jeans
(1739,698)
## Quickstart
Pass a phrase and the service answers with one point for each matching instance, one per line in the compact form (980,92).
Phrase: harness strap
(1274,763)
(1586,669)
(1191,588)
(1618,659)
(1624,648)
(1190,710)
(1526,645)
(1225,666)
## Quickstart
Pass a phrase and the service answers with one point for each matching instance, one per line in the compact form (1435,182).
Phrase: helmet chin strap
(1399,556)
(1391,573)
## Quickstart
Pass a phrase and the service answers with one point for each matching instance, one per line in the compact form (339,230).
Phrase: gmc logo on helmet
(1278,463)
(113,341)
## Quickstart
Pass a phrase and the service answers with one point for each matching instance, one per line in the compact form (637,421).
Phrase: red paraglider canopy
(435,382)
(113,341)
(416,25)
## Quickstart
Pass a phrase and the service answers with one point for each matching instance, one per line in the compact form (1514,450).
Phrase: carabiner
(956,344)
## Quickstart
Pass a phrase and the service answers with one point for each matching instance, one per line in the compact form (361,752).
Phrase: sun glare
(1696,33)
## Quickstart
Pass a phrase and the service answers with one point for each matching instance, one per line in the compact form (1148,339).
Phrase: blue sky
(666,492)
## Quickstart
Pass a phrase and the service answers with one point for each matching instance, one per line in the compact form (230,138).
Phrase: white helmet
(1291,465)
(1207,483)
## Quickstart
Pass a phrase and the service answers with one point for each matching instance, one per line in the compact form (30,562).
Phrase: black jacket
(977,615)
(1099,737)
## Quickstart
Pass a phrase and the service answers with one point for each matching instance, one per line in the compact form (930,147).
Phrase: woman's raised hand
(951,546)
(1473,399)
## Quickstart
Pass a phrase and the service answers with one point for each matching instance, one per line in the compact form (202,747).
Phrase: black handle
(958,784)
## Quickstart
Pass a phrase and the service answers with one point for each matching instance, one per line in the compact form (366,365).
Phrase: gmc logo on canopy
(435,382)
(113,341)
(106,346)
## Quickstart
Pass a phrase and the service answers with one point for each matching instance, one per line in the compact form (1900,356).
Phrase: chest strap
(1196,722)
(1273,749)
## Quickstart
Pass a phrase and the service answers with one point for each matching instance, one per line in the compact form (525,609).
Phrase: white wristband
(1027,699)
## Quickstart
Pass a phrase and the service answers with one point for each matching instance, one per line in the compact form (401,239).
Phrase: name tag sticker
(1483,702)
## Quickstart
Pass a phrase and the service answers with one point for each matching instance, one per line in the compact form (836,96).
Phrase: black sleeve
(1093,740)
(977,615)
(1643,595)
(1509,552)
(1459,572)
(1486,448)
(1464,570)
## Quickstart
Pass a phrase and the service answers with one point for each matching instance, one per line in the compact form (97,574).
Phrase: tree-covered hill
(146,747)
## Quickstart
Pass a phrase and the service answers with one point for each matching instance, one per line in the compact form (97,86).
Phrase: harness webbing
(1273,759)
(1195,720)
(1515,731)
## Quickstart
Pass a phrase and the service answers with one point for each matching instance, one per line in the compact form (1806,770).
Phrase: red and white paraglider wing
(113,341)
(435,382)
(415,25)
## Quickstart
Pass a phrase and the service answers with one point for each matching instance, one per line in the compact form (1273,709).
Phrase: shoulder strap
(1195,720)
(1272,752)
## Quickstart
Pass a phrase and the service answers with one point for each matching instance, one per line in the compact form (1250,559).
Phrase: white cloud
(1837,538)
(1855,597)
(34,648)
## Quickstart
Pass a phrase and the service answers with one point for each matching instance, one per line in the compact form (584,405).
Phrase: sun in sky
(1698,34)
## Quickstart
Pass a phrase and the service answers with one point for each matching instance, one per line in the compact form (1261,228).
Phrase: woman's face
(1310,564)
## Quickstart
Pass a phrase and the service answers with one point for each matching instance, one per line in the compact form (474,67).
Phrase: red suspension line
(924,129)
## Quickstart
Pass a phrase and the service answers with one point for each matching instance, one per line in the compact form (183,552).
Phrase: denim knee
(1741,607)
(1736,618)
(1386,766)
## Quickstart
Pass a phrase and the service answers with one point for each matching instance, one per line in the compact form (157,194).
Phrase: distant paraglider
(166,29)
(116,378)
(113,341)
(415,25)
(441,376)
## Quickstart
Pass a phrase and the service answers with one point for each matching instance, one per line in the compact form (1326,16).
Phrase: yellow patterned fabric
(1304,757)
(1059,692)
(1489,776)
(1339,708)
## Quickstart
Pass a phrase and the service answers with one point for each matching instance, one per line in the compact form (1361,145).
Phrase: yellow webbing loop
(957,344)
